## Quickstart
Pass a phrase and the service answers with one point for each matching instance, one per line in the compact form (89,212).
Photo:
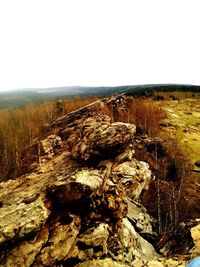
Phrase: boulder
(138,215)
(62,240)
(134,175)
(49,146)
(19,220)
(98,137)
(25,253)
(137,247)
(81,184)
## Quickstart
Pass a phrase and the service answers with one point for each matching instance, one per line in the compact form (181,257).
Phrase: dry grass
(183,122)
(19,128)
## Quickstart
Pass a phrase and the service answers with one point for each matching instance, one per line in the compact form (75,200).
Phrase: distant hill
(21,97)
(149,89)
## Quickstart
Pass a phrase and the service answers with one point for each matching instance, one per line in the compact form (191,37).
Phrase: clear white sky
(47,43)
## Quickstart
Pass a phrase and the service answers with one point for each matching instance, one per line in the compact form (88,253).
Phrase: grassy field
(183,122)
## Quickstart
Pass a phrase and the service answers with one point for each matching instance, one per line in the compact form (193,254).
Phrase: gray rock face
(138,215)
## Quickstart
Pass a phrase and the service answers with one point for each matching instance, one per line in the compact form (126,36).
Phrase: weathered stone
(19,220)
(83,183)
(39,152)
(25,253)
(139,216)
(162,262)
(96,237)
(49,145)
(134,176)
(97,136)
(113,204)
(81,213)
(138,246)
(61,243)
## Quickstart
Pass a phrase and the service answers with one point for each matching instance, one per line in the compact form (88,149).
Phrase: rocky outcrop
(49,146)
(40,151)
(97,137)
(80,204)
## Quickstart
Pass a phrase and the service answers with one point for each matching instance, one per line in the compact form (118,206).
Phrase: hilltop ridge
(79,202)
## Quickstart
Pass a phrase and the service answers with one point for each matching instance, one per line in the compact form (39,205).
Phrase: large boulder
(134,175)
(98,137)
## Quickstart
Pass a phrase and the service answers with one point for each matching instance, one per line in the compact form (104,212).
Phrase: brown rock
(25,253)
(97,136)
(62,241)
(19,220)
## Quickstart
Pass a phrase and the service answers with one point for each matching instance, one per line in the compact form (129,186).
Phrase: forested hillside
(21,97)
(19,127)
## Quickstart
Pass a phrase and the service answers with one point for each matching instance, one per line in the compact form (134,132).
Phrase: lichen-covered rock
(82,213)
(162,262)
(133,175)
(97,136)
(121,243)
(40,152)
(19,220)
(96,237)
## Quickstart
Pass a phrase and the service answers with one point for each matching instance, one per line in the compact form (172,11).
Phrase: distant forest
(153,88)
(17,98)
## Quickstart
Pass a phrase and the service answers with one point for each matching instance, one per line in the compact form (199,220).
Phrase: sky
(51,43)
